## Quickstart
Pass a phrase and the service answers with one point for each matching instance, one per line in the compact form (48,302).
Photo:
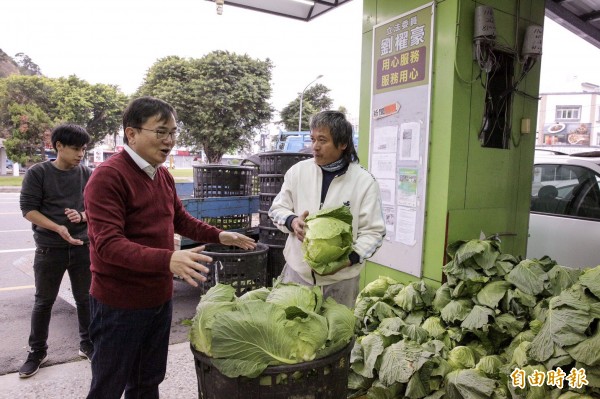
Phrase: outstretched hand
(64,233)
(298,225)
(236,239)
(184,263)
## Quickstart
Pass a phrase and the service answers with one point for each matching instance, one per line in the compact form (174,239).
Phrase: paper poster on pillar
(399,132)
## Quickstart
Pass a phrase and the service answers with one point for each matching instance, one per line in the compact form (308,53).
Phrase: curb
(10,189)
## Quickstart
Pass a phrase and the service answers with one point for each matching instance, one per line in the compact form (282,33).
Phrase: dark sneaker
(31,366)
(86,350)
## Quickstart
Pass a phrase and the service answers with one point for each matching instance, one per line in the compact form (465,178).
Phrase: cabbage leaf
(328,240)
(257,334)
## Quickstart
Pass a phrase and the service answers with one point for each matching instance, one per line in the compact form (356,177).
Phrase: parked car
(564,222)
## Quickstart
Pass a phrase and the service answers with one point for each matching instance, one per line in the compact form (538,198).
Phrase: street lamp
(301,97)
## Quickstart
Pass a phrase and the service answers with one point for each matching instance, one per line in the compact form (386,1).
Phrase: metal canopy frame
(581,17)
(303,10)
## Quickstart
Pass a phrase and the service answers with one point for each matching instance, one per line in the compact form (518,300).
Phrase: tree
(97,107)
(26,65)
(221,99)
(316,98)
(24,116)
(31,105)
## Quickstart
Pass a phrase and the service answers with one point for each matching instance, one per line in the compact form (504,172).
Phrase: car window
(566,190)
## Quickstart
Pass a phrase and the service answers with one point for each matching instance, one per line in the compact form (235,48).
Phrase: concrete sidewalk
(72,380)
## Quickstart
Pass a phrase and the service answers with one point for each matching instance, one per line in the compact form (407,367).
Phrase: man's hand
(237,239)
(298,225)
(74,215)
(184,263)
(64,233)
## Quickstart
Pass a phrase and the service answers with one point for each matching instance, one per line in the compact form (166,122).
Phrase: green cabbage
(328,240)
(462,357)
(288,324)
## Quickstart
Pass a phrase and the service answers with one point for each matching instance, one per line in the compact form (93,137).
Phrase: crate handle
(218,265)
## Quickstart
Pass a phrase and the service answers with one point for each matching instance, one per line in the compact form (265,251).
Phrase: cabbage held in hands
(328,240)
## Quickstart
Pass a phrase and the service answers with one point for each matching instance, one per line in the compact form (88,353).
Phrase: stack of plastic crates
(272,169)
(217,181)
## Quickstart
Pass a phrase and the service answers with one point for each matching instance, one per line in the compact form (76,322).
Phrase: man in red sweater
(133,211)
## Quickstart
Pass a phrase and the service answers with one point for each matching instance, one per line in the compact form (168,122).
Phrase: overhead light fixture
(306,2)
(219,4)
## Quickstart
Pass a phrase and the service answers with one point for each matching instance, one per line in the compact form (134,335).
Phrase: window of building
(568,112)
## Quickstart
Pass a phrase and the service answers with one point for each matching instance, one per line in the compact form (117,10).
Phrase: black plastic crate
(325,378)
(277,162)
(254,163)
(245,270)
(276,262)
(271,236)
(222,181)
(264,220)
(230,222)
(270,183)
(265,200)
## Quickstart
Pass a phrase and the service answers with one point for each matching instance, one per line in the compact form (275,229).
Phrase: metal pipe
(301,97)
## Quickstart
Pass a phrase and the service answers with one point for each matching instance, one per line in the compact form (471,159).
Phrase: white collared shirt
(141,162)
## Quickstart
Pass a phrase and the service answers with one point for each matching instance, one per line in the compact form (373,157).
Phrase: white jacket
(301,191)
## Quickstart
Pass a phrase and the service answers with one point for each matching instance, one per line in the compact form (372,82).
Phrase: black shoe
(31,366)
(86,350)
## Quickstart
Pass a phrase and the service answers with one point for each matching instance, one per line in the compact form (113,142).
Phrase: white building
(571,118)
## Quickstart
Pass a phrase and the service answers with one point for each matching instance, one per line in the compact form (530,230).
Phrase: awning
(304,10)
(581,17)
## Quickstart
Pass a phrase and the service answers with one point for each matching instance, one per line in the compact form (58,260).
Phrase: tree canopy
(316,98)
(26,65)
(30,106)
(221,99)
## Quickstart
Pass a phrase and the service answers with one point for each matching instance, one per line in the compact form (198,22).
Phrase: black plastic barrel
(245,270)
(325,378)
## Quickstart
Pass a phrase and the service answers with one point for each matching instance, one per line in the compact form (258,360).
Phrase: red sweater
(131,222)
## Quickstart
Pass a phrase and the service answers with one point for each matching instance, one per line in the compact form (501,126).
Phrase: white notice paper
(385,139)
(383,166)
(387,188)
(405,225)
(410,136)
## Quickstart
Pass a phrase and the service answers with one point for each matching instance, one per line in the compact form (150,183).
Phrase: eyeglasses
(162,134)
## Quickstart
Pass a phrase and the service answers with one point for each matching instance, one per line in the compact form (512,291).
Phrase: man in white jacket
(331,179)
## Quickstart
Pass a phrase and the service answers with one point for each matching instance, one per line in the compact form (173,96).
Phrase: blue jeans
(49,266)
(130,350)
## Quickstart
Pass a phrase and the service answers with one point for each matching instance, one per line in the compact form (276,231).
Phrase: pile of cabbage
(328,240)
(283,325)
(494,315)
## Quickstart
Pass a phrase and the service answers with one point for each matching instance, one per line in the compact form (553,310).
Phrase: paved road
(17,290)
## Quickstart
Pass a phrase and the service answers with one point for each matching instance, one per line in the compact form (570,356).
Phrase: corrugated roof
(581,17)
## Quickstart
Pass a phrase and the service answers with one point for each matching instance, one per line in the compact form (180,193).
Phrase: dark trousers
(130,350)
(49,267)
